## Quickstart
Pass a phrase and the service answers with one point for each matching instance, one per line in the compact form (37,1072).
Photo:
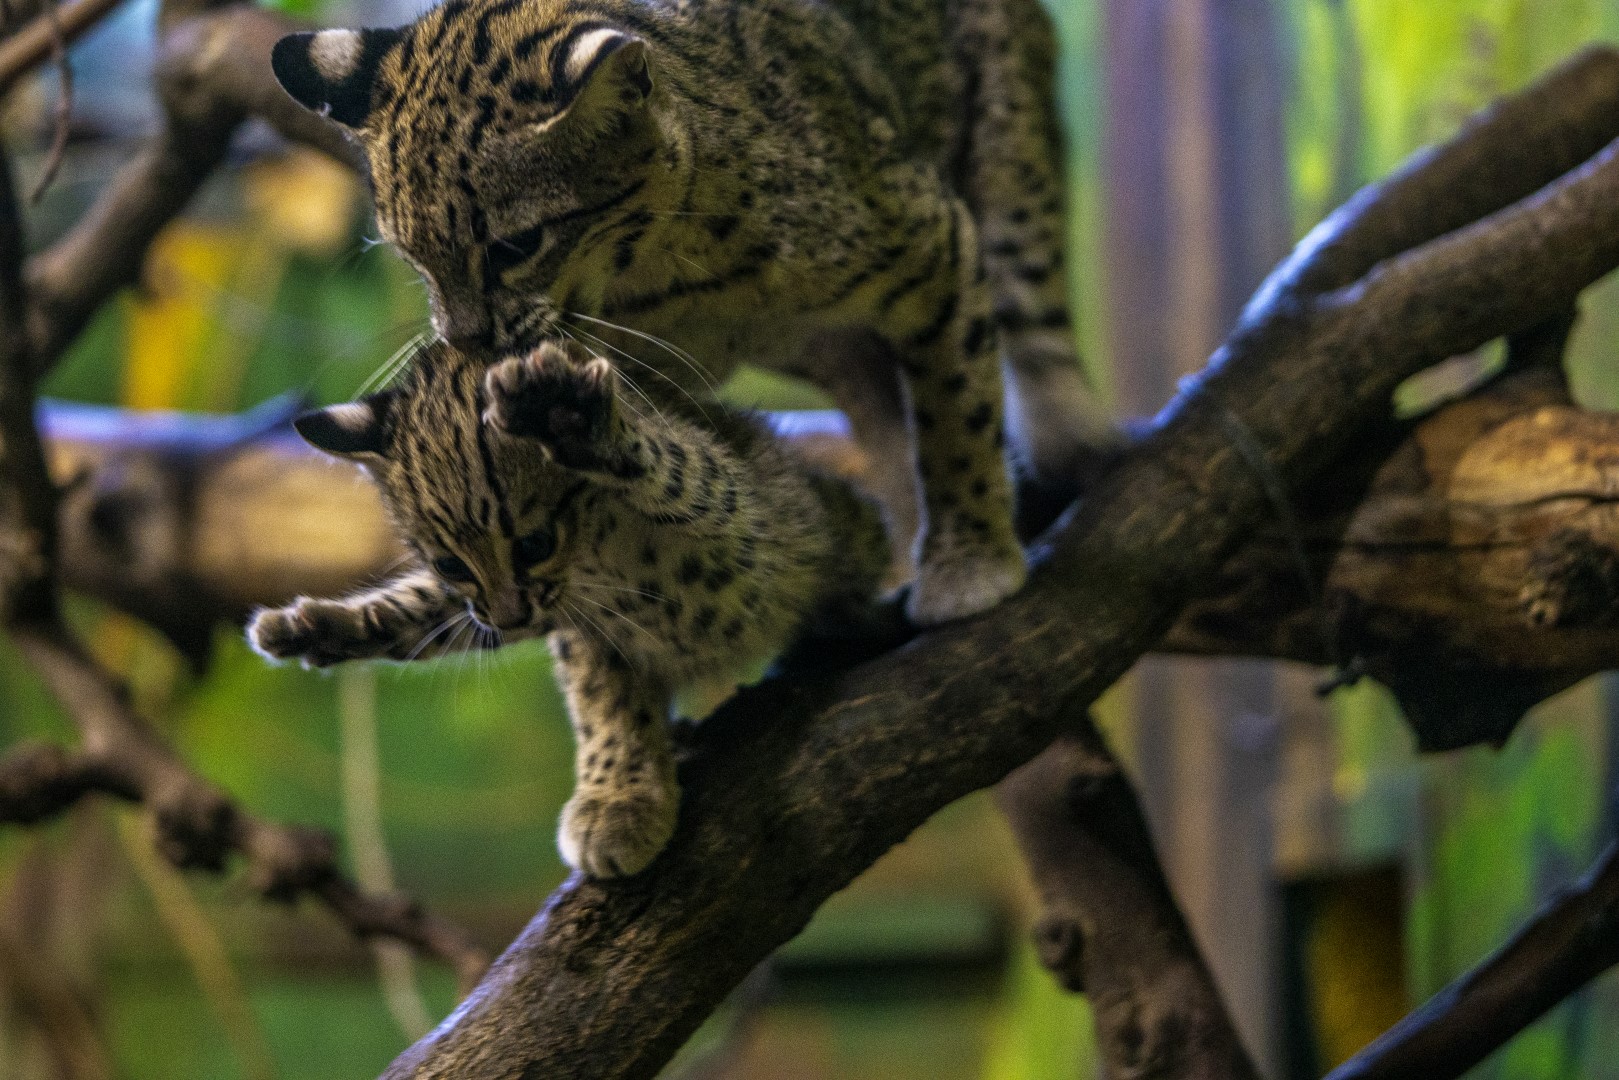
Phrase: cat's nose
(473,342)
(464,323)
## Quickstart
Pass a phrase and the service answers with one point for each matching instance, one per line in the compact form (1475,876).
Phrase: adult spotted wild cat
(657,546)
(863,193)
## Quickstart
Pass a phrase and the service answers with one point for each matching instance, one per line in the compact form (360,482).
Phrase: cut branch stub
(1110,926)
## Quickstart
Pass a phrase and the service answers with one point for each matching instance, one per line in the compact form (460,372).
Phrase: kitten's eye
(507,252)
(535,548)
(451,568)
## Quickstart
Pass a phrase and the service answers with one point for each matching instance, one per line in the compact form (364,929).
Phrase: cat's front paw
(609,835)
(563,404)
(317,633)
(956,585)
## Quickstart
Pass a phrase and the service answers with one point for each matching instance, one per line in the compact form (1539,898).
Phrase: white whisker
(622,374)
(620,614)
(674,350)
(427,638)
(616,588)
(699,267)
(605,636)
(392,366)
(637,360)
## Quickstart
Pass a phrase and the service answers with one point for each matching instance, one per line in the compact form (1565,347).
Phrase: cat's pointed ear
(360,430)
(333,72)
(607,69)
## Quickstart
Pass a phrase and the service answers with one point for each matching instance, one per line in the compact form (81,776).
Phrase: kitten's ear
(332,72)
(357,430)
(606,69)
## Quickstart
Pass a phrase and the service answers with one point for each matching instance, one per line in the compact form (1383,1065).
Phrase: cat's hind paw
(610,836)
(955,586)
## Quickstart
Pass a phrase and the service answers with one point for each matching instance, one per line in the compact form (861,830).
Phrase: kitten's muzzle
(507,613)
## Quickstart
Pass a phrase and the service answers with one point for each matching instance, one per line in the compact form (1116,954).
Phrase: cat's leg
(670,469)
(625,798)
(862,376)
(968,558)
(406,617)
(1013,182)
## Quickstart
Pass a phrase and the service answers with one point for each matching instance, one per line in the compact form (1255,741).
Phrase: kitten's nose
(509,611)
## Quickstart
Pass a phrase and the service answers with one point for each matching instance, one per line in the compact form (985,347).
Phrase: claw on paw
(566,406)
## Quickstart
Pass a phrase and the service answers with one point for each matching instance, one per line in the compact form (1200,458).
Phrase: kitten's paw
(565,405)
(610,836)
(957,585)
(317,633)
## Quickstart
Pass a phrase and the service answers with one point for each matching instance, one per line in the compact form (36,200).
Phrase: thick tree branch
(1574,939)
(794,788)
(1110,927)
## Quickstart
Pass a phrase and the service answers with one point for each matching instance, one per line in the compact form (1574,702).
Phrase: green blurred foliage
(1489,834)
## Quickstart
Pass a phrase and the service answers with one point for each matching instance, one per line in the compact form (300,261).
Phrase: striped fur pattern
(657,548)
(864,193)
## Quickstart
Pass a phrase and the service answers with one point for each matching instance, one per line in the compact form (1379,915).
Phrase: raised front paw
(616,834)
(566,405)
(317,633)
(959,584)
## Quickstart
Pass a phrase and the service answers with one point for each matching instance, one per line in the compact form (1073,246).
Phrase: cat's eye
(451,568)
(535,548)
(506,252)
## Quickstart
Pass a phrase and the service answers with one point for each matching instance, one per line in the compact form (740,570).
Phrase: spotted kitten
(656,548)
(865,193)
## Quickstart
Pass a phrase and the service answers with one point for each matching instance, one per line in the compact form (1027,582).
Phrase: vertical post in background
(1197,212)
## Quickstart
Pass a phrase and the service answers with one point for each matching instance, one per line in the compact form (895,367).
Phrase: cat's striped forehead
(468,78)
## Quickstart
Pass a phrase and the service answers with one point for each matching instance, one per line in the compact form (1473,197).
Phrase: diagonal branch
(795,787)
(1574,939)
(196,825)
(30,45)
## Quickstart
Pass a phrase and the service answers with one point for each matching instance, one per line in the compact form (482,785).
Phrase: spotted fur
(865,193)
(657,546)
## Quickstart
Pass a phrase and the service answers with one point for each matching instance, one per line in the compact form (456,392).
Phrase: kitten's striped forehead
(451,478)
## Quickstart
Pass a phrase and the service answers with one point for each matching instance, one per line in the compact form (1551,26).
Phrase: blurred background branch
(196,826)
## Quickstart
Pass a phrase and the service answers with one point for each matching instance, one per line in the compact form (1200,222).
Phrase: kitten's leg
(625,797)
(1014,185)
(968,555)
(670,469)
(404,618)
